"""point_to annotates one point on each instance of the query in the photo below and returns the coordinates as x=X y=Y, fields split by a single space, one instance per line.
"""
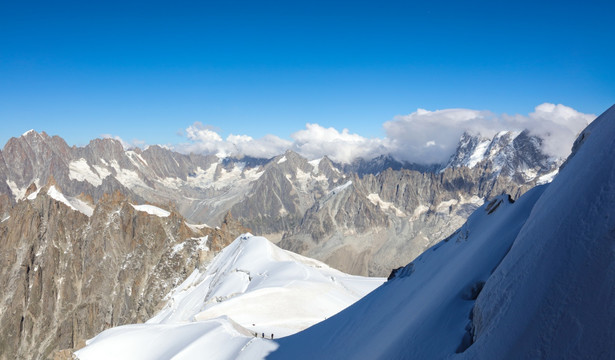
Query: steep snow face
x=552 y=296
x=424 y=310
x=251 y=287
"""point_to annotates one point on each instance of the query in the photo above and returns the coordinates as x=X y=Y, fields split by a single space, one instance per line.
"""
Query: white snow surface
x=548 y=263
x=33 y=195
x=423 y=312
x=479 y=153
x=547 y=178
x=18 y=192
x=251 y=286
x=197 y=227
x=80 y=170
x=235 y=177
x=376 y=200
x=71 y=202
x=552 y=296
x=152 y=210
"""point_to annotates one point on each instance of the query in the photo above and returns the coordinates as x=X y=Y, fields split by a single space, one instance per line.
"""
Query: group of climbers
x=263 y=335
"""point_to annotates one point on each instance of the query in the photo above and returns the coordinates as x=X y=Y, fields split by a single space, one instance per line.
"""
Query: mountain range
x=524 y=278
x=363 y=218
x=98 y=236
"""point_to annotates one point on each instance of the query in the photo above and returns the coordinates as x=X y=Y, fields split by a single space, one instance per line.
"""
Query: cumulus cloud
x=432 y=136
x=424 y=137
x=558 y=125
x=316 y=141
x=266 y=147
x=205 y=140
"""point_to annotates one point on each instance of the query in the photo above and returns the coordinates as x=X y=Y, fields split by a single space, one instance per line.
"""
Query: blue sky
x=149 y=70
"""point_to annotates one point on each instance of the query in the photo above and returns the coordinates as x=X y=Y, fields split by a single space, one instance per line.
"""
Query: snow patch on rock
x=80 y=170
x=73 y=203
x=152 y=210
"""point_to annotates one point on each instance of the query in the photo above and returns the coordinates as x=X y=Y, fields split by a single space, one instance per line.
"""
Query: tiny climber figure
x=263 y=335
x=271 y=336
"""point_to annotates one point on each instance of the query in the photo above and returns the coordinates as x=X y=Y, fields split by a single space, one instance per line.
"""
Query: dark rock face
x=68 y=276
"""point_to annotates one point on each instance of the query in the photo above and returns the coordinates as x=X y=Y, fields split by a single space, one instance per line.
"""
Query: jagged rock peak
x=511 y=153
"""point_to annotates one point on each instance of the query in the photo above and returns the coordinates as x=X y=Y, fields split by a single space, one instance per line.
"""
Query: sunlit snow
x=152 y=210
x=251 y=288
x=73 y=203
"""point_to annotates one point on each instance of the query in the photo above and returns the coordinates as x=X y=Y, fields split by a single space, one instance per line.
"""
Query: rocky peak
x=470 y=150
x=68 y=276
x=516 y=155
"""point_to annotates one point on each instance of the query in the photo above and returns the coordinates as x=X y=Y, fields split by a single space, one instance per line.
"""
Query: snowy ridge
x=252 y=286
x=71 y=202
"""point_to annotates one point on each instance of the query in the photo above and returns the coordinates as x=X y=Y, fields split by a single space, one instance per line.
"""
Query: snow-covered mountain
x=251 y=288
x=514 y=154
x=524 y=280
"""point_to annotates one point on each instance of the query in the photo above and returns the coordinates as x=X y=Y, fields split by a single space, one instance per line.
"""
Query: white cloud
x=424 y=137
x=205 y=140
x=429 y=137
x=265 y=147
x=432 y=136
x=316 y=141
x=558 y=125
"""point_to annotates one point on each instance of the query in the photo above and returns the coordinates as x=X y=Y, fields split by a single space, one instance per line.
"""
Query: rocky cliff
x=68 y=275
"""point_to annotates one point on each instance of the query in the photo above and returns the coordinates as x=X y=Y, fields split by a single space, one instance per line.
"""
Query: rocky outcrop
x=68 y=276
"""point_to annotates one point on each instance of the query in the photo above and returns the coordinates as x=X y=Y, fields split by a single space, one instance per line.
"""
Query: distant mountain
x=251 y=288
x=523 y=280
x=516 y=155
x=389 y=214
x=381 y=163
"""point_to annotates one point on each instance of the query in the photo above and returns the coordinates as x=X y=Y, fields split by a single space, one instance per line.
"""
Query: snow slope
x=550 y=296
x=423 y=312
x=251 y=286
